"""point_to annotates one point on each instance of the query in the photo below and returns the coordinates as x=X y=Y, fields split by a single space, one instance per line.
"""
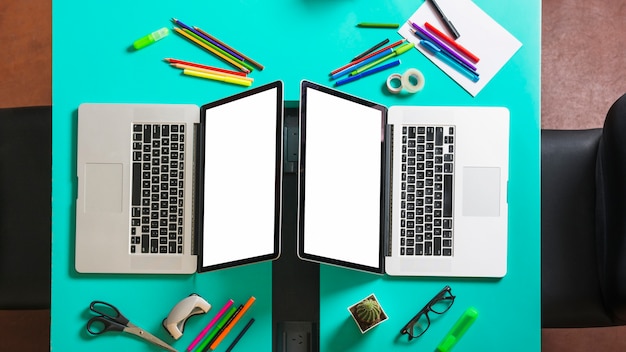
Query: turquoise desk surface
x=295 y=40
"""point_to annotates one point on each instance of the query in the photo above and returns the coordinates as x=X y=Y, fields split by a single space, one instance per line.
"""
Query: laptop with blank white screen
x=166 y=188
x=408 y=191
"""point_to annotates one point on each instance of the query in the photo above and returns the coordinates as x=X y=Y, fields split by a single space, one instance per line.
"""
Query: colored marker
x=398 y=51
x=451 y=41
x=371 y=49
x=458 y=330
x=210 y=325
x=362 y=63
x=367 y=73
x=232 y=323
x=445 y=20
x=423 y=34
x=430 y=47
x=151 y=38
x=225 y=318
x=241 y=333
x=377 y=25
x=368 y=56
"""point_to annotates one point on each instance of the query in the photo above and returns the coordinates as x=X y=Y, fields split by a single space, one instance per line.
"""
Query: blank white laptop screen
x=341 y=185
x=240 y=178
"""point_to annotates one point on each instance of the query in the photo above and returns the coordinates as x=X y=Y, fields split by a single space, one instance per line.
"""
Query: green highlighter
x=151 y=38
x=458 y=330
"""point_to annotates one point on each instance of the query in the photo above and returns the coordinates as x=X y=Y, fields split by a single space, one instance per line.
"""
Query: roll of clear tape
x=407 y=82
x=390 y=86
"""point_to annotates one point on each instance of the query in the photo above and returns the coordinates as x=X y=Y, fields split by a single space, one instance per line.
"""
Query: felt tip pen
x=351 y=68
x=151 y=38
x=398 y=51
x=367 y=73
x=377 y=25
x=433 y=49
x=445 y=20
x=458 y=330
x=424 y=34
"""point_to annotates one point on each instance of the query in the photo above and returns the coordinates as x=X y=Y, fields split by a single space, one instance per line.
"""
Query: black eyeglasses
x=440 y=304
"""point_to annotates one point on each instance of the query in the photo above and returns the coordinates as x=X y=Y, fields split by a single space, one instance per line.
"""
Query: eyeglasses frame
x=428 y=308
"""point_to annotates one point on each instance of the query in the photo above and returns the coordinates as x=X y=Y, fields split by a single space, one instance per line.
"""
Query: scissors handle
x=108 y=310
x=101 y=324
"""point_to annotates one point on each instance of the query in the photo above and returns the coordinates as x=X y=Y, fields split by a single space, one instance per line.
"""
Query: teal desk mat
x=295 y=40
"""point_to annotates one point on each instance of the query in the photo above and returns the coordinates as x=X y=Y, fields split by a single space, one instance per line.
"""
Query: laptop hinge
x=388 y=189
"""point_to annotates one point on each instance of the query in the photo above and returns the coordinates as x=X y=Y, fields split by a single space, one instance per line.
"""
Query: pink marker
x=210 y=325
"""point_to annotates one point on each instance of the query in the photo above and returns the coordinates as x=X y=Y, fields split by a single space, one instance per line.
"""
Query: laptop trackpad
x=481 y=191
x=103 y=188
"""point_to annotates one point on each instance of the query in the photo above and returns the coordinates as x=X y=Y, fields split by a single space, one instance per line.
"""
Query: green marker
x=151 y=38
x=217 y=328
x=399 y=50
x=458 y=330
x=377 y=25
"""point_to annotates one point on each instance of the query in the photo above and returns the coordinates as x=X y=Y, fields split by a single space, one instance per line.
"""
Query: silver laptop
x=409 y=190
x=179 y=188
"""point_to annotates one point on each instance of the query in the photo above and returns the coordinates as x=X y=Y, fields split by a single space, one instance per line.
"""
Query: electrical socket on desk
x=296 y=336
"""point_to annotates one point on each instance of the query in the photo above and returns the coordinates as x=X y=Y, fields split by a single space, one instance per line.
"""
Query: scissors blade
x=137 y=331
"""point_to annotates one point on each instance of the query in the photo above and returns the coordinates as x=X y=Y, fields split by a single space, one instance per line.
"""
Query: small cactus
x=368 y=311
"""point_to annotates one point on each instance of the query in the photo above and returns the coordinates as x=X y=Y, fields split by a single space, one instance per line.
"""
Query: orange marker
x=232 y=323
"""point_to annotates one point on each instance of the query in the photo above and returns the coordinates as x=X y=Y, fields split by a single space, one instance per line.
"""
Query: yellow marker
x=151 y=38
x=217 y=77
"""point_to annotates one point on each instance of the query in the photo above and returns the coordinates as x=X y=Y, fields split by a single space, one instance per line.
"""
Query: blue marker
x=361 y=64
x=367 y=73
x=430 y=47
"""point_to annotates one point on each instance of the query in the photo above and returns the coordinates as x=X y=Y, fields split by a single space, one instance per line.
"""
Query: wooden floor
x=583 y=72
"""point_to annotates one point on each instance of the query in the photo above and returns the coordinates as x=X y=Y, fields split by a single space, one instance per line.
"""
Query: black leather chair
x=583 y=224
x=25 y=207
x=25 y=221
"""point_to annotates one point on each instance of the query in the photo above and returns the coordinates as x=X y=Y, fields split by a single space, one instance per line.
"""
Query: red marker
x=451 y=41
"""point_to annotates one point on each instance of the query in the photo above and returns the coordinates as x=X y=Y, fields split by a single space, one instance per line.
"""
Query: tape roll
x=408 y=84
x=390 y=86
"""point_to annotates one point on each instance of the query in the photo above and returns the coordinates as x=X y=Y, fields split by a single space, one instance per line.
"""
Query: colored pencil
x=451 y=41
x=246 y=58
x=371 y=49
x=216 y=77
x=240 y=335
x=232 y=323
x=367 y=56
x=210 y=325
x=198 y=33
x=245 y=64
x=199 y=69
x=212 y=49
x=177 y=61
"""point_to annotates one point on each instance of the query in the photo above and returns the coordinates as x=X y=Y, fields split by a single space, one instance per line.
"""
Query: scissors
x=110 y=319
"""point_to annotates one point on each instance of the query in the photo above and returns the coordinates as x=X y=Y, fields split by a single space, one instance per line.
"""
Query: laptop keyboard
x=426 y=219
x=158 y=154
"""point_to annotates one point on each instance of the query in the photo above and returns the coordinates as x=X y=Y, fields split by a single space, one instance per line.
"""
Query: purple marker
x=423 y=34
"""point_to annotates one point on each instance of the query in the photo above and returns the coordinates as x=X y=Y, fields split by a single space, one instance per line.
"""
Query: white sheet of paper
x=480 y=34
